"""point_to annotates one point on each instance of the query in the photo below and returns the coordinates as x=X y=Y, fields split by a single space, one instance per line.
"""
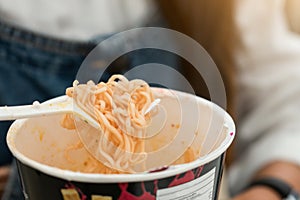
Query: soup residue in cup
x=120 y=108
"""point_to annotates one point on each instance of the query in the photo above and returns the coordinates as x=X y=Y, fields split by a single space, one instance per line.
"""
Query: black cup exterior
x=40 y=186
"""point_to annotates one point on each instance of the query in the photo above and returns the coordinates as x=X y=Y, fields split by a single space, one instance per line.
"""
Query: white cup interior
x=184 y=121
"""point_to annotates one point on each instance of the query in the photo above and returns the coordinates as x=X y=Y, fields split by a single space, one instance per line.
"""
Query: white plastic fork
x=64 y=106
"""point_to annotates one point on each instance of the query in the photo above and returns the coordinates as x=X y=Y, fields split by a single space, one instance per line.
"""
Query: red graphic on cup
x=188 y=176
x=125 y=195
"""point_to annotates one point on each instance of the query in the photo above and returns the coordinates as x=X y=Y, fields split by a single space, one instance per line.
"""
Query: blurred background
x=42 y=45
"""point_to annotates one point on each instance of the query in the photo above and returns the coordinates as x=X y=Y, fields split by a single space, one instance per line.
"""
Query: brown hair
x=211 y=23
x=293 y=15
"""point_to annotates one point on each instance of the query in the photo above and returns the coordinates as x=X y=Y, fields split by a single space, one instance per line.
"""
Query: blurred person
x=269 y=91
x=256 y=47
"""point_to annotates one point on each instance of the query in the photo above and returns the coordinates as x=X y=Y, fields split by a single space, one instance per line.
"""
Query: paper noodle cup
x=40 y=144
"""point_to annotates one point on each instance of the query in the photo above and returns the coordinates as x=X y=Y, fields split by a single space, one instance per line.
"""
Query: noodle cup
x=40 y=144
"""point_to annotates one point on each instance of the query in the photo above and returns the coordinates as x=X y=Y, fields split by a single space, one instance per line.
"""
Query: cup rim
x=115 y=178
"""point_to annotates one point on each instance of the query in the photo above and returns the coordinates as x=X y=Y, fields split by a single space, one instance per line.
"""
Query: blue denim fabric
x=32 y=67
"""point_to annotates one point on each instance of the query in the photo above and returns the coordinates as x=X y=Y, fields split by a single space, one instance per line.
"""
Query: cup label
x=200 y=188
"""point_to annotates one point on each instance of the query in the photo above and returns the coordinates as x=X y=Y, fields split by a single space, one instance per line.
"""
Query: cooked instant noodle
x=119 y=106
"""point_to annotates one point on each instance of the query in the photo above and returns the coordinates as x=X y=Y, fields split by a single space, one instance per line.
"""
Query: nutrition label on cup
x=200 y=188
